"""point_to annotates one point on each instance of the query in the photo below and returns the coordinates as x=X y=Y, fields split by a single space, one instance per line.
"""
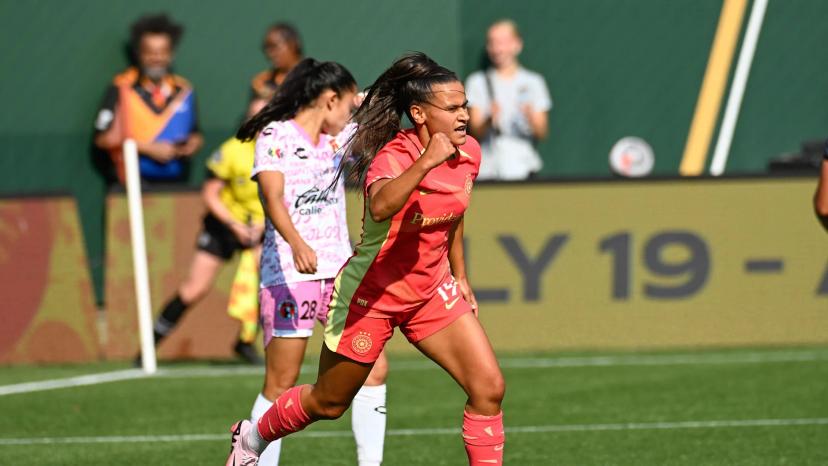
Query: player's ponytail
x=407 y=82
x=305 y=82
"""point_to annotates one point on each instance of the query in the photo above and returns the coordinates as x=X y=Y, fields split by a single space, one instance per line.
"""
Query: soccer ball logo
x=362 y=343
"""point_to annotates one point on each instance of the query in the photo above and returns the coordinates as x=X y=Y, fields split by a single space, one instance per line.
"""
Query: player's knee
x=332 y=410
x=497 y=389
x=378 y=373
x=324 y=407
x=488 y=390
x=277 y=384
x=191 y=292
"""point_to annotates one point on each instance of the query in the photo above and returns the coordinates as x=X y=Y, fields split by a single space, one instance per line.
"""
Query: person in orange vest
x=150 y=104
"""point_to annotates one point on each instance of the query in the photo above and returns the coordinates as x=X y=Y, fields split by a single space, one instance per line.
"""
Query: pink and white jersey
x=316 y=208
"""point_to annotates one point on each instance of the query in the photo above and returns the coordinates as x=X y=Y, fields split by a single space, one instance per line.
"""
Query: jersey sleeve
x=195 y=125
x=472 y=150
x=477 y=92
x=106 y=110
x=541 y=101
x=388 y=164
x=219 y=162
x=268 y=155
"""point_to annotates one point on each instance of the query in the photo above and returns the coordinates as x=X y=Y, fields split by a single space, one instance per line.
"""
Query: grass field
x=745 y=407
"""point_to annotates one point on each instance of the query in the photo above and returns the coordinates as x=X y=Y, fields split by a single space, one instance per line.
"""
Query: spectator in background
x=283 y=47
x=821 y=195
x=151 y=105
x=508 y=107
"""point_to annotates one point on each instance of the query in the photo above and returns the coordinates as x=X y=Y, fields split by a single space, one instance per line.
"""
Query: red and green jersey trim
x=374 y=237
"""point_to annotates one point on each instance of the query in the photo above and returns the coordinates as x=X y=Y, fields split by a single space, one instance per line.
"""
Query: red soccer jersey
x=400 y=262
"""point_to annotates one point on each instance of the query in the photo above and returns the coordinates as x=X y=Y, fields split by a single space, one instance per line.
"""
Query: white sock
x=368 y=424
x=270 y=455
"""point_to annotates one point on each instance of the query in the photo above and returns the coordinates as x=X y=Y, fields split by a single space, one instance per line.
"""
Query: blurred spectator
x=821 y=195
x=151 y=105
x=283 y=47
x=509 y=107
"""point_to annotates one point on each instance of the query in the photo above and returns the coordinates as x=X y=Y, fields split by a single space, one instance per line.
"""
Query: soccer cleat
x=240 y=453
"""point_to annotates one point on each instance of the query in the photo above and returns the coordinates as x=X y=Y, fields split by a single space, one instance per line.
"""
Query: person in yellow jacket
x=234 y=222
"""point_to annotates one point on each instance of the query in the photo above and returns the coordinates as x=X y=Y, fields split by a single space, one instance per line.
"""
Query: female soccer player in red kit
x=407 y=271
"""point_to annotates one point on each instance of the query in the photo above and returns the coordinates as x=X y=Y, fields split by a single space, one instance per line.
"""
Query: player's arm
x=821 y=195
x=272 y=188
x=479 y=121
x=388 y=196
x=538 y=122
x=190 y=146
x=210 y=193
x=457 y=261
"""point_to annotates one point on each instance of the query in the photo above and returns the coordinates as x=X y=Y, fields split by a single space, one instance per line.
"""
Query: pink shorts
x=290 y=310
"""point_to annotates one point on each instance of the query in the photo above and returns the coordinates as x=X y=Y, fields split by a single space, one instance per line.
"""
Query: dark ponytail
x=408 y=81
x=305 y=82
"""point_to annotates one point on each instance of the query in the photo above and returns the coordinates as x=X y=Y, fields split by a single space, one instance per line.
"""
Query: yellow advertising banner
x=649 y=264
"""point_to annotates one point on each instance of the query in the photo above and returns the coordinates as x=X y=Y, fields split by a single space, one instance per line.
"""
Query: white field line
x=760 y=357
x=717 y=424
x=79 y=381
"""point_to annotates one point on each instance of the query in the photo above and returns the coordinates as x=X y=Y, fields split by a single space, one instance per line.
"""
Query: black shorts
x=217 y=239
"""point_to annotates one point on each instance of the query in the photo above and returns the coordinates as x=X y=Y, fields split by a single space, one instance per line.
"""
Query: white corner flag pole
x=139 y=255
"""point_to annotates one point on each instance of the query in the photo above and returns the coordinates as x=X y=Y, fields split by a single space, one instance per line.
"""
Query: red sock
x=484 y=438
x=285 y=417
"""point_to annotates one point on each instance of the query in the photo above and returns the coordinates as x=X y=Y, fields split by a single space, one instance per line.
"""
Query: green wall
x=615 y=68
x=787 y=94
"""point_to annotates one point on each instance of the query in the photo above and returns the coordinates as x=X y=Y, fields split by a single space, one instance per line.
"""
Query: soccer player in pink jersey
x=407 y=271
x=298 y=135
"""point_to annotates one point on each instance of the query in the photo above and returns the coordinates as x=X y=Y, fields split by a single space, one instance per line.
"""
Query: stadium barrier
x=574 y=265
x=47 y=312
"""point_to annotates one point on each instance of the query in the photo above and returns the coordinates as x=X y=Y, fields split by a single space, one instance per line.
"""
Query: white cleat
x=240 y=452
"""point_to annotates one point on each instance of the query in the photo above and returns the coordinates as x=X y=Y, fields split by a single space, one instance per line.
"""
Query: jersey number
x=309 y=310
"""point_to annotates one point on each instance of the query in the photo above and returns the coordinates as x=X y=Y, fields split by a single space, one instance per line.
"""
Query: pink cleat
x=240 y=452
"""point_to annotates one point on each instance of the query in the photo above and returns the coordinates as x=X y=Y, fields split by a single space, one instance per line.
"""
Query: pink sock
x=285 y=417
x=484 y=438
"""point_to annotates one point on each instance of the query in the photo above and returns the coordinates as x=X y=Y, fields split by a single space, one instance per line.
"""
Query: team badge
x=469 y=183
x=287 y=310
x=274 y=152
x=362 y=343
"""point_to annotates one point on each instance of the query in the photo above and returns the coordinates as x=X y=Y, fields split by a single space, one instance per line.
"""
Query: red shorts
x=352 y=334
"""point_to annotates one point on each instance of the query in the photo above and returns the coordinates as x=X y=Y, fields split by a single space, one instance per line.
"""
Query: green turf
x=427 y=398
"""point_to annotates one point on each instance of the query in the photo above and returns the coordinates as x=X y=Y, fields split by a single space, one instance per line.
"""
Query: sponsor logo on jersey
x=311 y=201
x=422 y=220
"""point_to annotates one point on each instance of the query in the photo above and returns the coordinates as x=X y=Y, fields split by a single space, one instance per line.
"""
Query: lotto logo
x=362 y=343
